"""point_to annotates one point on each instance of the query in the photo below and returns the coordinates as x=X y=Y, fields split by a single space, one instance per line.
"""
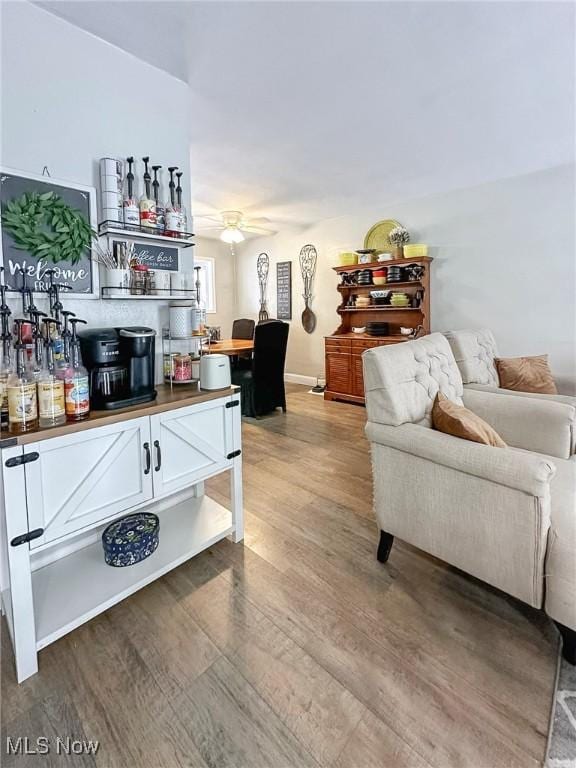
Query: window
x=207 y=281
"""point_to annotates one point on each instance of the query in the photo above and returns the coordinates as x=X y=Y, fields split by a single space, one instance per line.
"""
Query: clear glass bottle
x=172 y=214
x=22 y=393
x=182 y=217
x=130 y=204
x=147 y=205
x=76 y=381
x=51 y=398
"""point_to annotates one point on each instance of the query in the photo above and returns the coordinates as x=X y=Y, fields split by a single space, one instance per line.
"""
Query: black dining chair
x=243 y=328
x=262 y=385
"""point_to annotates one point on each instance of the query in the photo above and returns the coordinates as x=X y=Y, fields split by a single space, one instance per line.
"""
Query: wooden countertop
x=166 y=400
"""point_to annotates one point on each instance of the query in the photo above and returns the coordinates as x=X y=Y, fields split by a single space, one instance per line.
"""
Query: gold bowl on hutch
x=347 y=259
x=415 y=251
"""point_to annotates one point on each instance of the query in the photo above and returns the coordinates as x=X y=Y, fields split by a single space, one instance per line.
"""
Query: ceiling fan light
x=231 y=235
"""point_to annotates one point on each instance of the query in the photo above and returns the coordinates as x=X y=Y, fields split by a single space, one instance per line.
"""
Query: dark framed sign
x=80 y=276
x=156 y=256
x=284 y=290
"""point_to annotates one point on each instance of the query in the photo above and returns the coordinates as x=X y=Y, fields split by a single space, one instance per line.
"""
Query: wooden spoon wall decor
x=308 y=256
x=262 y=267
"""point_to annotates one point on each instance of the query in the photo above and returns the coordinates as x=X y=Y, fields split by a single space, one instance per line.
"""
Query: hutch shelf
x=344 y=348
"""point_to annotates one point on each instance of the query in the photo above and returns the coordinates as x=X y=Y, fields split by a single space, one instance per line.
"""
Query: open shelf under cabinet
x=75 y=588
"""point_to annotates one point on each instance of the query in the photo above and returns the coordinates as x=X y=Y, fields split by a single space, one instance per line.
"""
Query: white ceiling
x=301 y=111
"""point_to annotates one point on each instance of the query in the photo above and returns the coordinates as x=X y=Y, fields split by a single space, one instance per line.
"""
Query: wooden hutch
x=343 y=350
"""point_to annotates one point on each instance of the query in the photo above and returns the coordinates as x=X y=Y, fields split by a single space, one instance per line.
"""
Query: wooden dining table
x=229 y=346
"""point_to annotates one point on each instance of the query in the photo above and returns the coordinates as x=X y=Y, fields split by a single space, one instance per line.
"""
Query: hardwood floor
x=298 y=648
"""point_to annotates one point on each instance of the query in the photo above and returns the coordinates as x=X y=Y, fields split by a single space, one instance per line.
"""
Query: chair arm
x=542 y=426
x=504 y=466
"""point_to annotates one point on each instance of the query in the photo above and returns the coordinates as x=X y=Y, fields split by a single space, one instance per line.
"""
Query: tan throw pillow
x=454 y=419
x=526 y=374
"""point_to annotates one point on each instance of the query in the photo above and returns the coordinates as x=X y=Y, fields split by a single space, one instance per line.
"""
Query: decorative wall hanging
x=156 y=257
x=284 y=290
x=308 y=256
x=262 y=267
x=47 y=224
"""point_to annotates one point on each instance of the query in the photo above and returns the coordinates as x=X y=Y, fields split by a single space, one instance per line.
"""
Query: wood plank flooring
x=298 y=649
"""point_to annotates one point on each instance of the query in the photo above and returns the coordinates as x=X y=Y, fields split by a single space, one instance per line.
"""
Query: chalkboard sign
x=284 y=290
x=156 y=256
x=80 y=276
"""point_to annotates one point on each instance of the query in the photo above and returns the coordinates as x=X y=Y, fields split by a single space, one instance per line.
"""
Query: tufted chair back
x=475 y=351
x=401 y=380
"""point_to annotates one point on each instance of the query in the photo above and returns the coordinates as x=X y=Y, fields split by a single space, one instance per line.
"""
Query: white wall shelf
x=132 y=297
x=107 y=229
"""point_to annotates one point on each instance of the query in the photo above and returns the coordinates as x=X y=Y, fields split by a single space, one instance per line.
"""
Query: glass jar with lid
x=182 y=368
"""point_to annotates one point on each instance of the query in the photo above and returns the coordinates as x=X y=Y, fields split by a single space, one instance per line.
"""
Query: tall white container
x=181 y=319
x=111 y=181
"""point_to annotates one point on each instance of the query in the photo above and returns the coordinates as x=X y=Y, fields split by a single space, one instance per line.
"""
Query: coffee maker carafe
x=121 y=365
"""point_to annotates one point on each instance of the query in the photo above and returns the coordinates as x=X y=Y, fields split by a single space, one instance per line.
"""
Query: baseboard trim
x=297 y=378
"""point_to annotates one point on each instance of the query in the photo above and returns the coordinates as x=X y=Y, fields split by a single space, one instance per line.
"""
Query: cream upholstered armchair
x=504 y=515
x=474 y=352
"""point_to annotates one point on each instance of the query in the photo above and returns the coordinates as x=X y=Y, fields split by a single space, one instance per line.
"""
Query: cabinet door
x=80 y=480
x=338 y=377
x=357 y=376
x=190 y=444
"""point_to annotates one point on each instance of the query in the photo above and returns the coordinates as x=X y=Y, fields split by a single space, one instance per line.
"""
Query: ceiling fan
x=232 y=225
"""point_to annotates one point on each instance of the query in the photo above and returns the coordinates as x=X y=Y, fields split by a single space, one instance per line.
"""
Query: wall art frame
x=83 y=277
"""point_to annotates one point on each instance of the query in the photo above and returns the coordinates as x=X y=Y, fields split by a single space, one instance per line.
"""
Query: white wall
x=504 y=257
x=69 y=98
x=224 y=273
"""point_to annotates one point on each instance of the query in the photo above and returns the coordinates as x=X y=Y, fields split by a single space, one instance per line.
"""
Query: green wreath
x=47 y=227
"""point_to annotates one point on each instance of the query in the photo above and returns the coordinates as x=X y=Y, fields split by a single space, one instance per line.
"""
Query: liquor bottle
x=22 y=393
x=6 y=356
x=5 y=371
x=76 y=384
x=182 y=218
x=58 y=343
x=172 y=214
x=160 y=210
x=37 y=357
x=147 y=204
x=131 y=208
x=66 y=336
x=51 y=400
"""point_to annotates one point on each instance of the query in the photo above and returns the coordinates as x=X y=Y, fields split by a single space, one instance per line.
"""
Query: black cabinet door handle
x=147 y=449
x=158 y=456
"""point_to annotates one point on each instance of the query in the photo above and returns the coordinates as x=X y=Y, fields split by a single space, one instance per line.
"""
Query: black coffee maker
x=121 y=365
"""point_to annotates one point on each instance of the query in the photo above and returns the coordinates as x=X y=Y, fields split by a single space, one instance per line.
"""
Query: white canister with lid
x=181 y=319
